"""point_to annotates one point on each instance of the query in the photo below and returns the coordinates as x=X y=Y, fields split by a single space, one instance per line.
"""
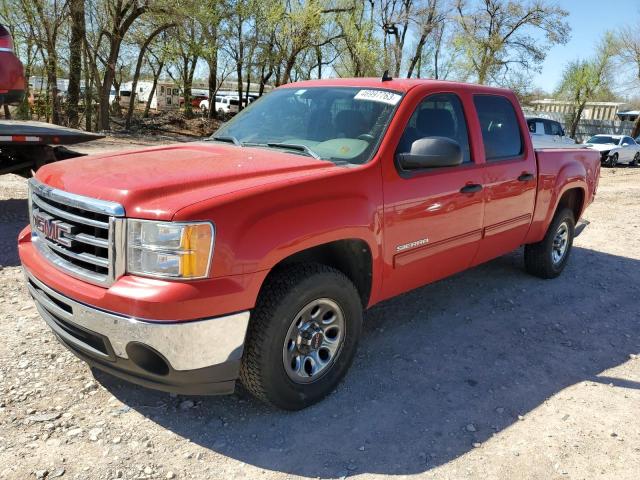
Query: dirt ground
x=491 y=374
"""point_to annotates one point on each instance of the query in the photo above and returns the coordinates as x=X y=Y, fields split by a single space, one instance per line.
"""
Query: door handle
x=525 y=177
x=471 y=188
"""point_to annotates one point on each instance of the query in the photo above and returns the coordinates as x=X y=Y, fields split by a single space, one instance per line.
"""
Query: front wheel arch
x=352 y=257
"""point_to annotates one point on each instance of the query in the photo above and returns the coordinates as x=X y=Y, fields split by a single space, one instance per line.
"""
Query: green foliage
x=588 y=80
x=497 y=37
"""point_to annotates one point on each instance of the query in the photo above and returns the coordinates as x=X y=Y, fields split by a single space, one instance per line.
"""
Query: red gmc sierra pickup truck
x=251 y=255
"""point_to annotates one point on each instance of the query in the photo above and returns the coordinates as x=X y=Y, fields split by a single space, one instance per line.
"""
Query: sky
x=588 y=19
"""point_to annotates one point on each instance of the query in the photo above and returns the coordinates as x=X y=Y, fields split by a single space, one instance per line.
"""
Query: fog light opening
x=147 y=359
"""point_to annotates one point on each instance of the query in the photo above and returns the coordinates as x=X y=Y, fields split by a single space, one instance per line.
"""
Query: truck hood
x=155 y=183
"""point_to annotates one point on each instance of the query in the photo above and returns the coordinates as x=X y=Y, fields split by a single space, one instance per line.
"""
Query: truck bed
x=556 y=168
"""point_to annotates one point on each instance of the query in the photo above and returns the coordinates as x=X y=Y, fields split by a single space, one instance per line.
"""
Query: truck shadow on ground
x=479 y=348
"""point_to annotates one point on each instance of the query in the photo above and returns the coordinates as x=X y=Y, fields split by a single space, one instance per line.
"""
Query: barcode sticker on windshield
x=378 y=96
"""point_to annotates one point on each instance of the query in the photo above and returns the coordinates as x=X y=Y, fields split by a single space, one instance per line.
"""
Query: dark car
x=11 y=71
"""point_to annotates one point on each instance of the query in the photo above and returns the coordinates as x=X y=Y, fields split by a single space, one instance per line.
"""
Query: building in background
x=592 y=110
x=628 y=115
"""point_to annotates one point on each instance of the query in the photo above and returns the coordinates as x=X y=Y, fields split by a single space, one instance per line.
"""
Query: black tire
x=635 y=161
x=286 y=293
x=613 y=160
x=538 y=257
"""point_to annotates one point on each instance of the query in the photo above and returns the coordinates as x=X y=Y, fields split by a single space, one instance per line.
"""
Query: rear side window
x=500 y=129
x=532 y=125
x=553 y=128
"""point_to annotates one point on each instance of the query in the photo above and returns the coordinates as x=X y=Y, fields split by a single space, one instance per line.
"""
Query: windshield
x=340 y=124
x=603 y=140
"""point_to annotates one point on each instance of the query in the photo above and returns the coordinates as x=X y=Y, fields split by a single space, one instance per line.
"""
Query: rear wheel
x=547 y=258
x=302 y=337
x=636 y=160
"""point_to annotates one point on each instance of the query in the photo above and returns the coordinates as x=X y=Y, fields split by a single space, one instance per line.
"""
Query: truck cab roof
x=397 y=84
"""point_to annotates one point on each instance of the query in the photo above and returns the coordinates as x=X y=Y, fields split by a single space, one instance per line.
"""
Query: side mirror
x=431 y=152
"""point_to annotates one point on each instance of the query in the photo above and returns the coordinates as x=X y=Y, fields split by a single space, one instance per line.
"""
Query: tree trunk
x=88 y=97
x=576 y=119
x=136 y=75
x=291 y=61
x=213 y=84
x=76 y=8
x=121 y=26
x=7 y=113
x=107 y=83
x=52 y=84
x=246 y=94
x=239 y=73
x=156 y=76
x=636 y=128
x=189 y=86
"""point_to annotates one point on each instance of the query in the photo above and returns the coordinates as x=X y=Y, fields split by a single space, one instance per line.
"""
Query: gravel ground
x=489 y=374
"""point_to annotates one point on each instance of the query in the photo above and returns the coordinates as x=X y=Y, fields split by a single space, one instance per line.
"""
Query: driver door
x=432 y=217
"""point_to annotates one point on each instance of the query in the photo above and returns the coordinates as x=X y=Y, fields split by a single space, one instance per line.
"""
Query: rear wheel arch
x=573 y=199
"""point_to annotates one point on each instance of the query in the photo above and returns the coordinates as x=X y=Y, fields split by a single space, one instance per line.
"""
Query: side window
x=553 y=128
x=500 y=129
x=627 y=141
x=532 y=125
x=439 y=115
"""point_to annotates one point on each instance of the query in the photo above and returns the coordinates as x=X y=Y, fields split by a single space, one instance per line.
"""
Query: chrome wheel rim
x=560 y=243
x=314 y=340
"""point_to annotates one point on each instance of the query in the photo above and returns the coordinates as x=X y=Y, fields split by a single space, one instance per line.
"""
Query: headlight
x=168 y=249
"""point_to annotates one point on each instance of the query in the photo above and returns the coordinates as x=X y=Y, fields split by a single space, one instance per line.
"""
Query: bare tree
x=496 y=34
x=427 y=19
x=136 y=76
x=584 y=80
x=629 y=42
x=122 y=14
x=76 y=45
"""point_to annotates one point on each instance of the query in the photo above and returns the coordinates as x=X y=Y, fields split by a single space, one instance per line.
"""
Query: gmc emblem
x=52 y=229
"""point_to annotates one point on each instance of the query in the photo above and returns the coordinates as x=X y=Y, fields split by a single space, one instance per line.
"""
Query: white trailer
x=165 y=97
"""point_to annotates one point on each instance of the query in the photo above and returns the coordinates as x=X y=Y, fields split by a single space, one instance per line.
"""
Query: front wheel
x=547 y=258
x=302 y=336
x=613 y=160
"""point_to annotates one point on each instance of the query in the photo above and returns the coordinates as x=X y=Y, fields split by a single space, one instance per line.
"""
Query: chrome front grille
x=80 y=235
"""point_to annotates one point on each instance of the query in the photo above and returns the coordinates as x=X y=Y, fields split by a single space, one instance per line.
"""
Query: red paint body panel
x=11 y=74
x=559 y=171
x=147 y=298
x=268 y=205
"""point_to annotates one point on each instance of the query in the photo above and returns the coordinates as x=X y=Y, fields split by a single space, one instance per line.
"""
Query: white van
x=223 y=105
x=546 y=133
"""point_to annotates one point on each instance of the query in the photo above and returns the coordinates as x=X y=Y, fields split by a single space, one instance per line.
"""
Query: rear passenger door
x=432 y=217
x=510 y=176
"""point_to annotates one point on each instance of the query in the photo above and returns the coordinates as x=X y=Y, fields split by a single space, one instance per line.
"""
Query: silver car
x=615 y=149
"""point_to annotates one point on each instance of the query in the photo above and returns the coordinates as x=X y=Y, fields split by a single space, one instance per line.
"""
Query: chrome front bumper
x=106 y=338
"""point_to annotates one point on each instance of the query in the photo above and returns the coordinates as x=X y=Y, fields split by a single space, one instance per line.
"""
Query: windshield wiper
x=296 y=146
x=227 y=139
